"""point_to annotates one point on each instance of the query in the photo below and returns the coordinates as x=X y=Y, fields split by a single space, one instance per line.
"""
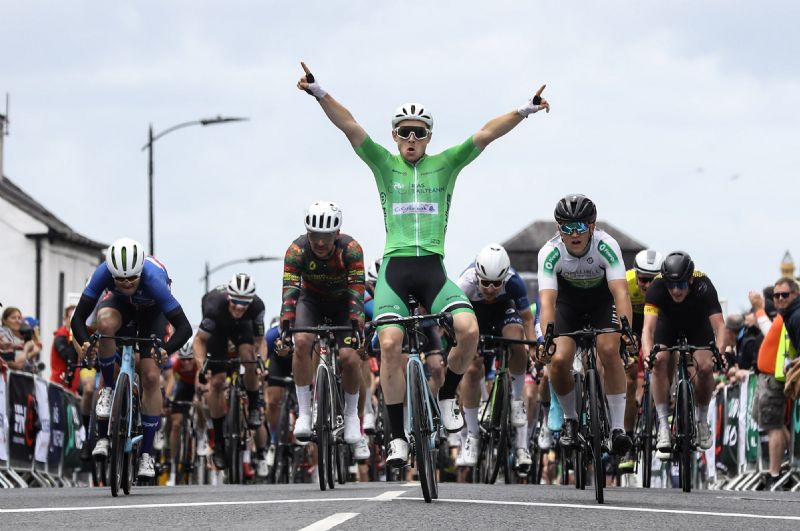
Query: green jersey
x=415 y=198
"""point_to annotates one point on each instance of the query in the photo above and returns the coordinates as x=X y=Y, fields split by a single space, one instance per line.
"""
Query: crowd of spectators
x=20 y=342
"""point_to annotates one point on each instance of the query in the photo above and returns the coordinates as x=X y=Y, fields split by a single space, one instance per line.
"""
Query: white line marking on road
x=613 y=508
x=411 y=484
x=388 y=495
x=330 y=522
x=182 y=504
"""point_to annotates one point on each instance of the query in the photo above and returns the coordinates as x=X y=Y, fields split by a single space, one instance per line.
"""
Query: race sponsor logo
x=551 y=260
x=649 y=309
x=399 y=209
x=312 y=265
x=608 y=253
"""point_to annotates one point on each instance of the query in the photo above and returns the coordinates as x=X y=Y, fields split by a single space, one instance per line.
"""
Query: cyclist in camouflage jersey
x=416 y=192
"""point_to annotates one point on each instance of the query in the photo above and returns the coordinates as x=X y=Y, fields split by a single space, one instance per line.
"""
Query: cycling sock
x=451 y=381
x=555 y=417
x=531 y=427
x=150 y=425
x=522 y=437
x=219 y=439
x=484 y=390
x=85 y=419
x=252 y=400
x=471 y=419
x=517 y=385
x=701 y=413
x=567 y=402
x=662 y=410
x=102 y=429
x=350 y=404
x=534 y=415
x=261 y=454
x=616 y=410
x=303 y=399
x=273 y=432
x=395 y=412
x=107 y=366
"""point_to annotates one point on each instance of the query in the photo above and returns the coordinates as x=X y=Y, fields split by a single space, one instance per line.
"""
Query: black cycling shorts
x=575 y=307
x=492 y=318
x=182 y=392
x=279 y=367
x=311 y=312
x=220 y=341
x=137 y=321
x=699 y=333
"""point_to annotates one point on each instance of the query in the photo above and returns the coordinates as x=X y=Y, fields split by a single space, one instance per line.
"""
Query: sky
x=679 y=119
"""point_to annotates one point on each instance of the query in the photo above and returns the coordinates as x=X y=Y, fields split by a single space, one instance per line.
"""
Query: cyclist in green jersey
x=415 y=192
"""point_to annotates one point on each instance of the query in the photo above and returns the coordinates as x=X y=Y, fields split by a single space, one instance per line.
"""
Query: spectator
x=779 y=345
x=22 y=348
x=63 y=356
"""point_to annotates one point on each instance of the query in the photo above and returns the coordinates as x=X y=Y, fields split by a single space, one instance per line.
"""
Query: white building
x=43 y=260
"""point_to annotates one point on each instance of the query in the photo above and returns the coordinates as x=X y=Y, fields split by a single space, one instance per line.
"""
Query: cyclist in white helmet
x=646 y=266
x=323 y=278
x=416 y=191
x=139 y=293
x=500 y=299
x=232 y=313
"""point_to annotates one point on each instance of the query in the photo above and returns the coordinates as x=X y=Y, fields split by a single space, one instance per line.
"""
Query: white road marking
x=411 y=484
x=330 y=522
x=613 y=508
x=388 y=495
x=182 y=504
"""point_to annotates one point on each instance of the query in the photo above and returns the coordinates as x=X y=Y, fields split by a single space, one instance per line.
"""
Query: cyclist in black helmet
x=581 y=273
x=680 y=301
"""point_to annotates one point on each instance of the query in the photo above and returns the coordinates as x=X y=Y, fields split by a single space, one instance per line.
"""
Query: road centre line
x=388 y=495
x=616 y=508
x=330 y=522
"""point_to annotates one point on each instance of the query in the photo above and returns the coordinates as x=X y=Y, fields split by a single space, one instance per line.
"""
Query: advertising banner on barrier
x=72 y=435
x=796 y=430
x=752 y=439
x=3 y=420
x=719 y=429
x=730 y=442
x=22 y=419
x=43 y=411
x=57 y=417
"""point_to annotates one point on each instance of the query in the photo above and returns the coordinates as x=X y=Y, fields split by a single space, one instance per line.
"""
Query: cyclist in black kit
x=231 y=313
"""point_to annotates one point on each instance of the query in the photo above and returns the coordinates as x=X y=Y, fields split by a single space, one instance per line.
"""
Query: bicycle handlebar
x=689 y=349
x=443 y=319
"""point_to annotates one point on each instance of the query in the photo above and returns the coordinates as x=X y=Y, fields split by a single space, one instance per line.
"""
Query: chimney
x=787 y=265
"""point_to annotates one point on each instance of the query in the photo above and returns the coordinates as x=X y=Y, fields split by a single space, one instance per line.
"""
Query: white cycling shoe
x=103 y=407
x=361 y=449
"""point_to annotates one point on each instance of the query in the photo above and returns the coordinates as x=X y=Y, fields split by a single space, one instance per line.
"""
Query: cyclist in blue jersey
x=138 y=294
x=500 y=299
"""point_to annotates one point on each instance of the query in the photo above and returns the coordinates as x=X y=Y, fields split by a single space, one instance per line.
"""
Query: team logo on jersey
x=348 y=340
x=399 y=209
x=510 y=311
x=590 y=260
x=312 y=265
x=608 y=252
x=551 y=260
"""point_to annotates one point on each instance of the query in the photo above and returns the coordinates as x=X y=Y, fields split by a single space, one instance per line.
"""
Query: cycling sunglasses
x=420 y=132
x=120 y=280
x=578 y=226
x=239 y=302
x=645 y=280
x=678 y=285
x=494 y=283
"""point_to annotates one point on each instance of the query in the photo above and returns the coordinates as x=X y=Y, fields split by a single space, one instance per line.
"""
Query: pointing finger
x=307 y=71
x=538 y=92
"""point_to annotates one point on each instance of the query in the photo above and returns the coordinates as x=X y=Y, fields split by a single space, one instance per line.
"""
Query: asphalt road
x=395 y=505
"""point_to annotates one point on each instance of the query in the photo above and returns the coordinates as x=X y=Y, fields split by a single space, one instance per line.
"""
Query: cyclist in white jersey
x=582 y=275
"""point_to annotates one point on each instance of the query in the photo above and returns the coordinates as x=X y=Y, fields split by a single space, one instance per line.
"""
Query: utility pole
x=3 y=134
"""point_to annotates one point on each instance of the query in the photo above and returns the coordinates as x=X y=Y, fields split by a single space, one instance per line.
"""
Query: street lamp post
x=149 y=147
x=251 y=260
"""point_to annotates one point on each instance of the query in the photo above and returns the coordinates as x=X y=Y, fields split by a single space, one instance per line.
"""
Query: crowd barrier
x=40 y=432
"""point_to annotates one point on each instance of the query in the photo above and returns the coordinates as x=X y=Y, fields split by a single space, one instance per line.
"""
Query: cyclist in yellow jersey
x=647 y=265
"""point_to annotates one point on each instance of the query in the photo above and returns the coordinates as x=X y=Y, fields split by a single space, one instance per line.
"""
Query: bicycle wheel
x=496 y=433
x=232 y=453
x=595 y=433
x=421 y=430
x=579 y=462
x=120 y=411
x=324 y=443
x=649 y=414
x=684 y=437
x=342 y=462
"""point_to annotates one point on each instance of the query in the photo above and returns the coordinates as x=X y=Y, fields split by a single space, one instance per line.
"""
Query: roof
x=57 y=229
x=534 y=236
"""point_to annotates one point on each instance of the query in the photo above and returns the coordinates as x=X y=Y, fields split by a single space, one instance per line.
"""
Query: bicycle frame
x=128 y=369
x=431 y=405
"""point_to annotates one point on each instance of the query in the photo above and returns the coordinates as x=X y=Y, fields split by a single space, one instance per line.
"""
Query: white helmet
x=323 y=216
x=412 y=111
x=492 y=263
x=242 y=286
x=125 y=258
x=648 y=262
x=373 y=269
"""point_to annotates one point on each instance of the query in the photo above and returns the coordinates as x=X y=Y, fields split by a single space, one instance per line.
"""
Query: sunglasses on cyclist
x=781 y=295
x=579 y=227
x=120 y=280
x=493 y=283
x=645 y=280
x=405 y=131
x=239 y=302
x=678 y=285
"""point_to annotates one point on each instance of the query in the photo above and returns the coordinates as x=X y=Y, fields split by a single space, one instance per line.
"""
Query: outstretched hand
x=306 y=80
x=538 y=100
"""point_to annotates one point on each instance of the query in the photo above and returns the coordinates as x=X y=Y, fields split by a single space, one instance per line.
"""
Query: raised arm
x=335 y=111
x=497 y=127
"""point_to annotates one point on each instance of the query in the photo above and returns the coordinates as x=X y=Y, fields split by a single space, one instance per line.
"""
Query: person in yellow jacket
x=779 y=346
